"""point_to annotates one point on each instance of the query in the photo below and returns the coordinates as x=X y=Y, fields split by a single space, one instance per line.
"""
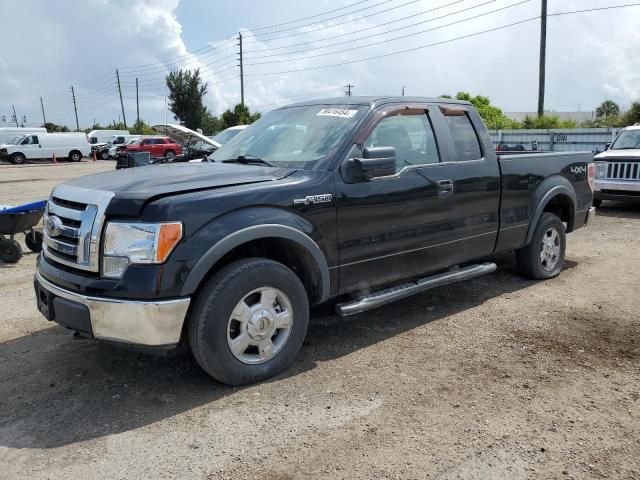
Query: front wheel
x=544 y=256
x=18 y=159
x=249 y=321
x=104 y=155
x=169 y=154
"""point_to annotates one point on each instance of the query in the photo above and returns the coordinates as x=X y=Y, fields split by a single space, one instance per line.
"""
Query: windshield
x=628 y=139
x=15 y=140
x=226 y=135
x=296 y=137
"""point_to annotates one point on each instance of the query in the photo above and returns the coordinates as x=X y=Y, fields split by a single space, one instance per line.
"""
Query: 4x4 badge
x=314 y=199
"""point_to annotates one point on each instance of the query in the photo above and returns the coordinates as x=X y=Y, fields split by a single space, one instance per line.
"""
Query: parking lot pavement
x=499 y=377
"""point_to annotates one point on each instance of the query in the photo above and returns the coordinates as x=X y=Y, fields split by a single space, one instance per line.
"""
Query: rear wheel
x=544 y=256
x=10 y=251
x=169 y=154
x=75 y=156
x=597 y=202
x=18 y=159
x=249 y=321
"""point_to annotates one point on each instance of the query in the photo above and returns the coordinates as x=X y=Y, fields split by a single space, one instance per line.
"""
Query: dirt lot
x=495 y=378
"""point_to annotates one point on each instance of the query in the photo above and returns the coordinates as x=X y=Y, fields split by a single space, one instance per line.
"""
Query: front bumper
x=616 y=189
x=143 y=323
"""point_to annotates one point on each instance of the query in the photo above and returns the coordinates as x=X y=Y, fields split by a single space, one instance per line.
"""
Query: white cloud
x=590 y=57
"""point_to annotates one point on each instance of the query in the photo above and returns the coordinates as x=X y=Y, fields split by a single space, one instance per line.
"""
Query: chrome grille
x=623 y=171
x=73 y=223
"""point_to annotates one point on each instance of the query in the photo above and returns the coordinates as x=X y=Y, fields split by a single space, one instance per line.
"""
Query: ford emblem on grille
x=53 y=226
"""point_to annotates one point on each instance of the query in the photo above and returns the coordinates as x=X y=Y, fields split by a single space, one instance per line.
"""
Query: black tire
x=169 y=154
x=597 y=202
x=104 y=155
x=10 y=251
x=209 y=319
x=75 y=156
x=33 y=240
x=529 y=257
x=18 y=159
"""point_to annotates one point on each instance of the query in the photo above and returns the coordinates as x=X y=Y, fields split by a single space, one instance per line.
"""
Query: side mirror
x=606 y=147
x=375 y=162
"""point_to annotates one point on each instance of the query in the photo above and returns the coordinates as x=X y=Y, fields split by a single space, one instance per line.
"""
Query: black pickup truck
x=363 y=201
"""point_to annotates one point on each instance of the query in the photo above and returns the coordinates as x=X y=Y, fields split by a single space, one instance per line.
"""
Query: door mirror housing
x=375 y=162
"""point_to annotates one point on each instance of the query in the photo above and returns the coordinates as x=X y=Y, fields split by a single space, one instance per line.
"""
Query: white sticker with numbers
x=337 y=112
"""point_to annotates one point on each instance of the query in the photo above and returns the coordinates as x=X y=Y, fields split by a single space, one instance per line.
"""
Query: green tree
x=53 y=128
x=548 y=121
x=186 y=94
x=607 y=109
x=492 y=116
x=632 y=116
x=210 y=124
x=240 y=115
x=142 y=128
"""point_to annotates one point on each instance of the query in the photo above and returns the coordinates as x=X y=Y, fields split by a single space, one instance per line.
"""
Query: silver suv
x=618 y=168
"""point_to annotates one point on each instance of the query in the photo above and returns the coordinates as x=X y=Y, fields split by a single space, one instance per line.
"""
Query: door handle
x=445 y=188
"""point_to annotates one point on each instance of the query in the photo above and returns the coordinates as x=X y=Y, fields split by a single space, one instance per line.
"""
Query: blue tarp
x=27 y=207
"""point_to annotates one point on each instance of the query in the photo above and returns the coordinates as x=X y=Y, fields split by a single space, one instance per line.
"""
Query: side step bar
x=388 y=295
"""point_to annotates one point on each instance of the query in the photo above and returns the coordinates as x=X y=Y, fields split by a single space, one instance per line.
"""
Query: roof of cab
x=374 y=101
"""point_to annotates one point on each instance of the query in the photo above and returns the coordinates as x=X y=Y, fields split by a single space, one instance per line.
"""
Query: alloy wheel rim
x=550 y=249
x=259 y=325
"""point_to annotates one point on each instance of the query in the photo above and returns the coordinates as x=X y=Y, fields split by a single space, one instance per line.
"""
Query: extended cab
x=361 y=200
x=618 y=168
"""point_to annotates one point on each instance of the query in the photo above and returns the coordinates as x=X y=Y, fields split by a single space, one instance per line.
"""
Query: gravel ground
x=499 y=377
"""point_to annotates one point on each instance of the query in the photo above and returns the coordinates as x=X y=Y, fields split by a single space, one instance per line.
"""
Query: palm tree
x=607 y=109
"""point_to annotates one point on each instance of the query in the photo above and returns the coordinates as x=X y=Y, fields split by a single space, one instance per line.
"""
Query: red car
x=156 y=146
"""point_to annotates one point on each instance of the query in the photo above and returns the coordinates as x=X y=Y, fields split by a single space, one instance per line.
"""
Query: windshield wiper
x=247 y=160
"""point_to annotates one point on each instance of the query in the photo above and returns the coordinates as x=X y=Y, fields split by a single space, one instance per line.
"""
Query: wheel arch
x=554 y=195
x=278 y=242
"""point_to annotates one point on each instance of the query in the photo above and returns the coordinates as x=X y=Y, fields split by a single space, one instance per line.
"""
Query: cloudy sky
x=296 y=50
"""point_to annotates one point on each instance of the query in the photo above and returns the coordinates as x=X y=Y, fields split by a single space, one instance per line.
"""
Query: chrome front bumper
x=624 y=185
x=156 y=323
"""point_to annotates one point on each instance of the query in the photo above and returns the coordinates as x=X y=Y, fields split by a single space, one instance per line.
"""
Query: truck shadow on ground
x=57 y=390
x=618 y=210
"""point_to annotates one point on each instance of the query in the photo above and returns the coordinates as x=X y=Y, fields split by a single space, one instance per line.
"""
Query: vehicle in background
x=195 y=145
x=365 y=200
x=11 y=135
x=103 y=136
x=103 y=151
x=114 y=150
x=227 y=134
x=71 y=145
x=618 y=168
x=158 y=147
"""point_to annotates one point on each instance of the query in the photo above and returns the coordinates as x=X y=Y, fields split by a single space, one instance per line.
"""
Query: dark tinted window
x=411 y=136
x=464 y=138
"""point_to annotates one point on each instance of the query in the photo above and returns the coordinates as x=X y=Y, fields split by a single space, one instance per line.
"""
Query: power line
x=399 y=37
x=335 y=24
x=311 y=16
x=326 y=19
x=356 y=31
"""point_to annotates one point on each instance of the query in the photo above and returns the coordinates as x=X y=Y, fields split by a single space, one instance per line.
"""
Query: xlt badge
x=313 y=199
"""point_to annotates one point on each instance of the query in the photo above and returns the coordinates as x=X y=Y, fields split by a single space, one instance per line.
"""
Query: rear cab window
x=465 y=137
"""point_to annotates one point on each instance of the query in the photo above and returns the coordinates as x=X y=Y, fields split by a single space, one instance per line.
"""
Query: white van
x=73 y=146
x=105 y=152
x=13 y=134
x=103 y=136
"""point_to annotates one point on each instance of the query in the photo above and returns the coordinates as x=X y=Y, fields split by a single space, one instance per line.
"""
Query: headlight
x=127 y=243
x=601 y=169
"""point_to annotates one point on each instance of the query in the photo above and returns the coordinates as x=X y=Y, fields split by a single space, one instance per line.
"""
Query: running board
x=388 y=295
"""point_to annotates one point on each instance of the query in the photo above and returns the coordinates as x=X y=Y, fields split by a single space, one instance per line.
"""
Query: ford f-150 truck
x=363 y=201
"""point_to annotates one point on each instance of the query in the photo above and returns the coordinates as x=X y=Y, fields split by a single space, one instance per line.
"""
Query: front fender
x=255 y=232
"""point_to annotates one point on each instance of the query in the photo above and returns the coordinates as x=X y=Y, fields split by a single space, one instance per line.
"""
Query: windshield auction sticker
x=337 y=112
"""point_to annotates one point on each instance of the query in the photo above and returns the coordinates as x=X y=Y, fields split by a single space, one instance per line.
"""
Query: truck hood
x=133 y=187
x=632 y=154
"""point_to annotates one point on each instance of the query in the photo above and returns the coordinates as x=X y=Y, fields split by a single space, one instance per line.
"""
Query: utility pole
x=15 y=117
x=348 y=87
x=124 y=119
x=137 y=105
x=403 y=91
x=543 y=57
x=44 y=119
x=75 y=108
x=241 y=70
